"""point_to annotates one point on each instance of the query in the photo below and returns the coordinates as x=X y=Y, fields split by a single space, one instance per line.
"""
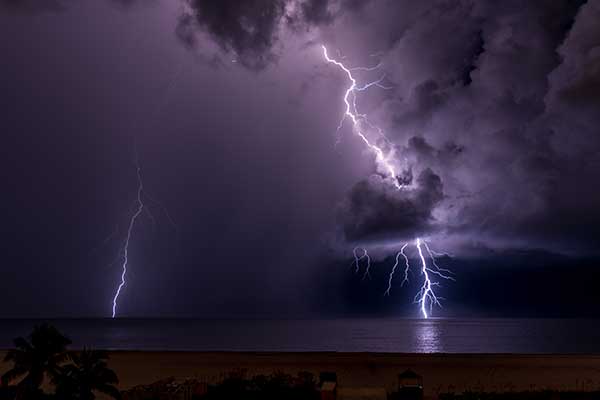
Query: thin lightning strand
x=439 y=254
x=140 y=206
x=357 y=260
x=356 y=118
x=406 y=269
x=434 y=263
x=138 y=210
x=426 y=296
x=367 y=273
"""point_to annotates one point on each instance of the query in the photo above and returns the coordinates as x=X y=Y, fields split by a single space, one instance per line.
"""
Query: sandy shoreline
x=441 y=372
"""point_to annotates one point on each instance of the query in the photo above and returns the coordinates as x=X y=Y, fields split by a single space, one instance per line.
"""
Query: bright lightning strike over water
x=139 y=205
x=139 y=208
x=426 y=296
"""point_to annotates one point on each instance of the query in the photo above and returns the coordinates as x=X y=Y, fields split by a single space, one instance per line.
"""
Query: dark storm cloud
x=501 y=100
x=322 y=12
x=497 y=100
x=573 y=98
x=493 y=119
x=317 y=11
x=250 y=30
x=477 y=46
x=374 y=209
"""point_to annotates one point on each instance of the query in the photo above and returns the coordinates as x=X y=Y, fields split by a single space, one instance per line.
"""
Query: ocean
x=525 y=336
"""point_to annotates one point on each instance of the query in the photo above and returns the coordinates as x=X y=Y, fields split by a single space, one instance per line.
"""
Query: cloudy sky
x=488 y=113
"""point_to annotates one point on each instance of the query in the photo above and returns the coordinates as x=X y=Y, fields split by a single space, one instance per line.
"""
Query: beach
x=441 y=373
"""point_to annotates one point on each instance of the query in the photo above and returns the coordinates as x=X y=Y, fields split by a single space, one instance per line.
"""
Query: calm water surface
x=535 y=336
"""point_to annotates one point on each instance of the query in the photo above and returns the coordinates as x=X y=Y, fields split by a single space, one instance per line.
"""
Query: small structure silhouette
x=169 y=388
x=410 y=386
x=328 y=385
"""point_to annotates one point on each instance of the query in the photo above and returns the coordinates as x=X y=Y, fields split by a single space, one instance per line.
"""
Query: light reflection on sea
x=530 y=336
x=427 y=337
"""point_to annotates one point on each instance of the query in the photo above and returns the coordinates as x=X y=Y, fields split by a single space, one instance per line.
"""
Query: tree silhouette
x=87 y=374
x=36 y=358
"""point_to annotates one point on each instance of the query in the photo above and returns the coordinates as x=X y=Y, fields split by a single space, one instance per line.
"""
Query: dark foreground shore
x=442 y=373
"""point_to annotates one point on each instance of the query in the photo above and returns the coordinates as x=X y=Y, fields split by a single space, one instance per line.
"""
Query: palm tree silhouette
x=87 y=374
x=36 y=358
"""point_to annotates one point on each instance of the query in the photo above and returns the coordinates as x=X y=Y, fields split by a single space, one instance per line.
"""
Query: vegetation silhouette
x=265 y=387
x=88 y=373
x=35 y=359
x=44 y=358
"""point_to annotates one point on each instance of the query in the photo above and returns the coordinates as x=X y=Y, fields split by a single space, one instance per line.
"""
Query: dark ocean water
x=535 y=336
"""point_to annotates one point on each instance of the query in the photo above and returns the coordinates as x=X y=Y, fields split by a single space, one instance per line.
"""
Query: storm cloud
x=498 y=101
x=502 y=103
x=375 y=209
x=491 y=115
x=250 y=31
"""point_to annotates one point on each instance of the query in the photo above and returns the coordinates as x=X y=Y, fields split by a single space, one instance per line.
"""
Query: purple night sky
x=491 y=110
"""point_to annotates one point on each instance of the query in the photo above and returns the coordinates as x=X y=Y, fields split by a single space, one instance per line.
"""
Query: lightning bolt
x=139 y=204
x=358 y=119
x=426 y=297
x=357 y=258
x=138 y=209
x=406 y=269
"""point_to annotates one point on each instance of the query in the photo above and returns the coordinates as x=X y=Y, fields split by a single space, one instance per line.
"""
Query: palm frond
x=22 y=344
x=110 y=390
x=13 y=374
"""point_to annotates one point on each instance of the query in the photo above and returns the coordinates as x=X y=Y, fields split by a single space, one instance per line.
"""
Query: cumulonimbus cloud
x=494 y=107
x=374 y=209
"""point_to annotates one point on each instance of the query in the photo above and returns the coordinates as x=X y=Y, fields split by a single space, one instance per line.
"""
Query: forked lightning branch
x=426 y=297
